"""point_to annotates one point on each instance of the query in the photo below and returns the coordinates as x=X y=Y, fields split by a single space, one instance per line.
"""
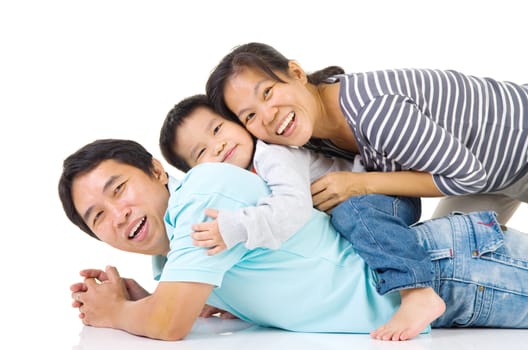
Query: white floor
x=233 y=334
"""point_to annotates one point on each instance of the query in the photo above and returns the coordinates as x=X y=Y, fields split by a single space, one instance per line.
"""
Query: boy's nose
x=220 y=147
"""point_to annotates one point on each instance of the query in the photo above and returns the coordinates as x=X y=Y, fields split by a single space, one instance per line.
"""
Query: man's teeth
x=134 y=232
x=285 y=123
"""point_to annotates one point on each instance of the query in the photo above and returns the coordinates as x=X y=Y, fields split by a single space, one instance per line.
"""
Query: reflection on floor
x=214 y=333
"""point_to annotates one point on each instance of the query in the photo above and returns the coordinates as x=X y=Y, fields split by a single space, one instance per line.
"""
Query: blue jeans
x=378 y=228
x=479 y=270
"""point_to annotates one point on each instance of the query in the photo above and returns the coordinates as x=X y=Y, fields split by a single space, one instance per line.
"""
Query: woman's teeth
x=285 y=123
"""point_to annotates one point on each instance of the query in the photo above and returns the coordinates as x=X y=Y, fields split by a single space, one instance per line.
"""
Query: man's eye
x=119 y=188
x=97 y=217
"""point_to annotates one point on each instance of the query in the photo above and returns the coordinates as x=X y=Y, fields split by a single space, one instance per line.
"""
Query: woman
x=420 y=132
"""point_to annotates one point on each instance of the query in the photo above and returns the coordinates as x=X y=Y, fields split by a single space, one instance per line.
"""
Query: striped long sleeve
x=470 y=133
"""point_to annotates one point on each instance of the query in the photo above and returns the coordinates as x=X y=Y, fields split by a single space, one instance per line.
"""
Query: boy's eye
x=217 y=129
x=200 y=153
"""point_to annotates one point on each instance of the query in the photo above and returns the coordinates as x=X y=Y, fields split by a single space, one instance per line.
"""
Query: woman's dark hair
x=259 y=56
x=88 y=158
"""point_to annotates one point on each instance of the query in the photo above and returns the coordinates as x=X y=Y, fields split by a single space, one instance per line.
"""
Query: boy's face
x=124 y=206
x=207 y=137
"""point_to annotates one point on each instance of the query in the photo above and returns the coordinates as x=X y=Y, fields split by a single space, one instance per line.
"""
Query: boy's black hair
x=174 y=119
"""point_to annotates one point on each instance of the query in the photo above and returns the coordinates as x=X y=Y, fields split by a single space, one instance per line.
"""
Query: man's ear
x=158 y=171
x=296 y=71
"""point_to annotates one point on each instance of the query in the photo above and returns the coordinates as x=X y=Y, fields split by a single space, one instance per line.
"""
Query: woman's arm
x=404 y=135
x=333 y=188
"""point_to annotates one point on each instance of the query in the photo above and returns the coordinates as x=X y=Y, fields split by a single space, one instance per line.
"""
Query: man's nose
x=121 y=214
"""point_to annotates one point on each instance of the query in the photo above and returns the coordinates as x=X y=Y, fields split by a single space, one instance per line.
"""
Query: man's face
x=124 y=206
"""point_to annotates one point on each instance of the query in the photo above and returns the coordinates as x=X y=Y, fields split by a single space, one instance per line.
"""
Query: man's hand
x=209 y=311
x=134 y=289
x=99 y=294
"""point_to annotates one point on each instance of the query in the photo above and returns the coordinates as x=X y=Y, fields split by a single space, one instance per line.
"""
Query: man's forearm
x=168 y=314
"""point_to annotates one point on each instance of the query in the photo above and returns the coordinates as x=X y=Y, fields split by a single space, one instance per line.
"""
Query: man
x=115 y=191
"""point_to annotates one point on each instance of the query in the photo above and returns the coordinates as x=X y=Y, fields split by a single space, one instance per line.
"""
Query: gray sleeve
x=278 y=216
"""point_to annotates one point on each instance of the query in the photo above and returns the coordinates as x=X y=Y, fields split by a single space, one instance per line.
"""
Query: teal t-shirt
x=314 y=282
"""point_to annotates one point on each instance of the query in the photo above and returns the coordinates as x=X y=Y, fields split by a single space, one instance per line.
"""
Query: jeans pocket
x=488 y=233
x=463 y=304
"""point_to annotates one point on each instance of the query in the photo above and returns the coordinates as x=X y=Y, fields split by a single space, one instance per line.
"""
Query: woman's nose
x=269 y=114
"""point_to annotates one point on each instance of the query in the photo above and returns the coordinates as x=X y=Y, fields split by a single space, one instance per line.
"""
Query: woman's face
x=280 y=113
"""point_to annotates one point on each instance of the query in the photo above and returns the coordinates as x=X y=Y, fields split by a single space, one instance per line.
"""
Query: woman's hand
x=333 y=188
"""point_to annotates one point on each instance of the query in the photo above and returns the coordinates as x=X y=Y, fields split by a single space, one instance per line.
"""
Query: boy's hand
x=207 y=234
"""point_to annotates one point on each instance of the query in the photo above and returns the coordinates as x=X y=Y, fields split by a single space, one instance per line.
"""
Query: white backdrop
x=73 y=71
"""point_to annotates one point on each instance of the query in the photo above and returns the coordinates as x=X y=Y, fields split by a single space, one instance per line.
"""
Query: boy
x=193 y=133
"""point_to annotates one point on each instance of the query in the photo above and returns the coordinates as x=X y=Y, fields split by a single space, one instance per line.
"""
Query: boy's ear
x=158 y=171
x=296 y=71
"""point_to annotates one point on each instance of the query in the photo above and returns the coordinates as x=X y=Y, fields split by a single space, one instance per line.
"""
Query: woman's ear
x=296 y=71
x=158 y=171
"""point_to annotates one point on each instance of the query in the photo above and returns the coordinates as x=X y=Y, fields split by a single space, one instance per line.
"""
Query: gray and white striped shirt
x=470 y=133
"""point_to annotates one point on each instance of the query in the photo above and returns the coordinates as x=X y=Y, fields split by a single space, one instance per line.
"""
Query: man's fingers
x=93 y=273
x=112 y=273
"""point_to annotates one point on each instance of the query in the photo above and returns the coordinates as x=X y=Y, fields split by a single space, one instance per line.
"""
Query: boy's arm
x=167 y=314
x=276 y=217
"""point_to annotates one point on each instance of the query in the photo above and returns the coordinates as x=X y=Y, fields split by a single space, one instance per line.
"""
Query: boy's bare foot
x=419 y=307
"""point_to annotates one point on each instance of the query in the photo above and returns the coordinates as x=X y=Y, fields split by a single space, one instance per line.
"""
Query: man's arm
x=167 y=314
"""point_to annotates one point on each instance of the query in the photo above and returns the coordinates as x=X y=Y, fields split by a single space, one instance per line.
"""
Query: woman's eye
x=267 y=92
x=249 y=117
